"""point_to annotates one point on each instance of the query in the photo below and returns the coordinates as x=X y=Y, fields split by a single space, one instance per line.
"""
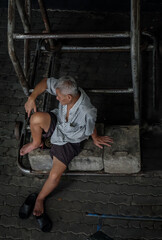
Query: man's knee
x=41 y=119
x=54 y=177
x=35 y=118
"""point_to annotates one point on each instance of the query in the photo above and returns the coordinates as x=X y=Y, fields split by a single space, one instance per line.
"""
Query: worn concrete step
x=89 y=159
x=40 y=159
x=124 y=155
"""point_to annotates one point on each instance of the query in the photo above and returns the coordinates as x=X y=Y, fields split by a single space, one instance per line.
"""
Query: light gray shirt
x=81 y=120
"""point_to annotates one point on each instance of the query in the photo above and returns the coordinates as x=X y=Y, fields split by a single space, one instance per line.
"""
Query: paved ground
x=135 y=195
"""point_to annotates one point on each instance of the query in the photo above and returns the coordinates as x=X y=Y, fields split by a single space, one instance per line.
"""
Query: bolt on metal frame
x=134 y=47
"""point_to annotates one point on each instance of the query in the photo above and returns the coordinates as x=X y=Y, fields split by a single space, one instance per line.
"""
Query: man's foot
x=39 y=207
x=28 y=148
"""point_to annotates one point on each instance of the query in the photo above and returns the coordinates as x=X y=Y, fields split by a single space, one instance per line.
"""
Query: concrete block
x=124 y=155
x=40 y=159
x=90 y=158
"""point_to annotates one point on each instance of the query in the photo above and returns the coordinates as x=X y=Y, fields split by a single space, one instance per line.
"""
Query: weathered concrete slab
x=90 y=158
x=40 y=159
x=124 y=155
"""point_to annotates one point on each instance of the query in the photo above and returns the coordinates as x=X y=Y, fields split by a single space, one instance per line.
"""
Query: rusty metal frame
x=70 y=35
x=27 y=41
x=125 y=48
x=135 y=53
x=11 y=49
x=154 y=69
x=46 y=22
x=134 y=48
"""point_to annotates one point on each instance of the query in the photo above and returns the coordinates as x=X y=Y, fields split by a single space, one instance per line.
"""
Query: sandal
x=28 y=206
x=44 y=222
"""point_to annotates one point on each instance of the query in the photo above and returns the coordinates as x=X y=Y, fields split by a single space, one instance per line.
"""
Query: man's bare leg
x=50 y=184
x=39 y=121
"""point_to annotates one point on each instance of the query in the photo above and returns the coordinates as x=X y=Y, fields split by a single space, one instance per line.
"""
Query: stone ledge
x=89 y=159
x=124 y=155
x=40 y=159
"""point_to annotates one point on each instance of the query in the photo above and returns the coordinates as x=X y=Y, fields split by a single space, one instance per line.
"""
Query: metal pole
x=155 y=60
x=23 y=16
x=27 y=41
x=120 y=91
x=135 y=53
x=11 y=50
x=111 y=216
x=72 y=35
x=72 y=49
x=154 y=70
x=46 y=21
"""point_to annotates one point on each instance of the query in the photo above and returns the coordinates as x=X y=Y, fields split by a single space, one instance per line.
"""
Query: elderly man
x=70 y=124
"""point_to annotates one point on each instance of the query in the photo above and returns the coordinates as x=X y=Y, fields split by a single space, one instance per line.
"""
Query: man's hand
x=30 y=105
x=102 y=140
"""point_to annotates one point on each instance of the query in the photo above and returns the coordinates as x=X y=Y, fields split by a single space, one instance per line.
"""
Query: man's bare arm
x=101 y=140
x=30 y=104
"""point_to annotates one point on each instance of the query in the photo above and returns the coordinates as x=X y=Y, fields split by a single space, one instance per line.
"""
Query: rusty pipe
x=154 y=69
x=135 y=53
x=73 y=49
x=120 y=91
x=71 y=35
x=23 y=16
x=46 y=21
x=27 y=41
x=11 y=50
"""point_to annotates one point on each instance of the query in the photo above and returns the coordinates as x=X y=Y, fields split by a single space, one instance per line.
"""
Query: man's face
x=63 y=99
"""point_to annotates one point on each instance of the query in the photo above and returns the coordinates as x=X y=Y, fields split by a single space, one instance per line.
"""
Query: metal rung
x=129 y=90
x=70 y=35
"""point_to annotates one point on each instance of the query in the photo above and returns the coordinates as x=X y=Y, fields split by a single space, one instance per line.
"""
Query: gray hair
x=67 y=85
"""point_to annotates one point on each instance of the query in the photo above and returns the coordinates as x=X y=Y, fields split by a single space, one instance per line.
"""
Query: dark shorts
x=65 y=153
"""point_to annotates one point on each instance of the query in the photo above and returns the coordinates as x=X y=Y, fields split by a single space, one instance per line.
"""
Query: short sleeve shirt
x=81 y=120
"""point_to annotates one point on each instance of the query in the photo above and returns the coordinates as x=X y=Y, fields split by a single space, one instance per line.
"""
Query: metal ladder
x=24 y=11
